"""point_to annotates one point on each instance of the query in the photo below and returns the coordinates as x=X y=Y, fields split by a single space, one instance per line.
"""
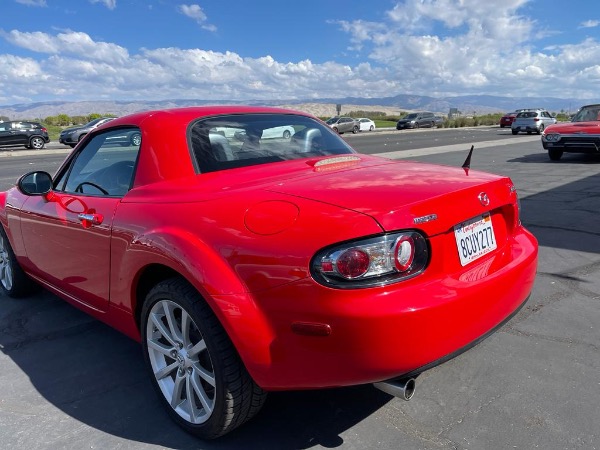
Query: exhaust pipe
x=403 y=388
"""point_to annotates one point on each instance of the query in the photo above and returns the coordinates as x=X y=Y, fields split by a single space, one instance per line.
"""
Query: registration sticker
x=475 y=238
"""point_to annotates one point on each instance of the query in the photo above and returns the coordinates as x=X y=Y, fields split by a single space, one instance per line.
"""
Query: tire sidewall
x=199 y=313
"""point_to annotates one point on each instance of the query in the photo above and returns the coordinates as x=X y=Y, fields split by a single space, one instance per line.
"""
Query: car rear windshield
x=527 y=114
x=239 y=140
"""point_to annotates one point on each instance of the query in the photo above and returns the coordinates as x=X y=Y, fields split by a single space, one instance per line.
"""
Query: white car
x=366 y=124
x=284 y=132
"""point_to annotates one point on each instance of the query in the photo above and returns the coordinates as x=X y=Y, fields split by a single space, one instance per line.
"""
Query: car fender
x=186 y=254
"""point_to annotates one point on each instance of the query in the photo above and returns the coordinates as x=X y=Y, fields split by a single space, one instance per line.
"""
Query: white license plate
x=474 y=238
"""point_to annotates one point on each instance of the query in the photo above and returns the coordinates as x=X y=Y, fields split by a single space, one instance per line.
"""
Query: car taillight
x=537 y=119
x=44 y=130
x=373 y=261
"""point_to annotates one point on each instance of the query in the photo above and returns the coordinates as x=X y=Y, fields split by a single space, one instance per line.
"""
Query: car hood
x=396 y=194
x=591 y=127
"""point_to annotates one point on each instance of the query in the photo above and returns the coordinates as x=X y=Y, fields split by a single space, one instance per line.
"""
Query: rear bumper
x=383 y=333
x=577 y=145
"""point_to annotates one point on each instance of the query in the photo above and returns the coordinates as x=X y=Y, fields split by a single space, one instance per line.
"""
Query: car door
x=67 y=233
x=7 y=134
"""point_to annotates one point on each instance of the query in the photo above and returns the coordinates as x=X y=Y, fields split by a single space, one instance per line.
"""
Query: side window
x=105 y=166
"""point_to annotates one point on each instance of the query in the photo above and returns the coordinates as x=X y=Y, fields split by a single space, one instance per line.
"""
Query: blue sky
x=77 y=50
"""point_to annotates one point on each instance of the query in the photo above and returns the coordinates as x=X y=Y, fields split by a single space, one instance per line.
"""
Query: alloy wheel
x=180 y=362
x=6 y=273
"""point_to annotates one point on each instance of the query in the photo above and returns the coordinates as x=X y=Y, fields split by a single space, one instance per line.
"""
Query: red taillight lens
x=44 y=130
x=374 y=261
x=537 y=119
x=353 y=263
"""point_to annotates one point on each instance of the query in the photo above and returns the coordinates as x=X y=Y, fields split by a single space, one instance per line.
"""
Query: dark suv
x=18 y=132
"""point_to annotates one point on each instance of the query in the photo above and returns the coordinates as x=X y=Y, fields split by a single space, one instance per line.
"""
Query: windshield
x=411 y=116
x=227 y=142
x=587 y=113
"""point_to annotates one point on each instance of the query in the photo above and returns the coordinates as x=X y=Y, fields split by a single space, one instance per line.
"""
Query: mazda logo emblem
x=484 y=199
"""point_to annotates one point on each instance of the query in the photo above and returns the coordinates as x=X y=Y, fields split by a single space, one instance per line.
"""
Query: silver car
x=343 y=124
x=532 y=121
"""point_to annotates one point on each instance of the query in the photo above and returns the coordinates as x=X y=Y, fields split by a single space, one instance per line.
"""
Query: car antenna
x=467 y=164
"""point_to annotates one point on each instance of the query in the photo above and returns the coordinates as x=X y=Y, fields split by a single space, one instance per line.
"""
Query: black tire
x=515 y=131
x=371 y=128
x=136 y=139
x=555 y=154
x=229 y=397
x=540 y=129
x=72 y=145
x=355 y=129
x=336 y=130
x=13 y=281
x=37 y=143
x=287 y=134
x=501 y=126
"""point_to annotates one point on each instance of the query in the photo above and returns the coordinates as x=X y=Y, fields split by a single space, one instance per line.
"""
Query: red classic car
x=246 y=265
x=581 y=135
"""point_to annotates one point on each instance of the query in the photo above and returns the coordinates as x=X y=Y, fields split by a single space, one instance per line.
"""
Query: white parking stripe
x=456 y=147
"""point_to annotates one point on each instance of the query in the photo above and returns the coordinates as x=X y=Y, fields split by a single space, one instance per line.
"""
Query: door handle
x=89 y=219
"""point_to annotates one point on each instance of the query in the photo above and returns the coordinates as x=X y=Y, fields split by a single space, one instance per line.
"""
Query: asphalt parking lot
x=68 y=381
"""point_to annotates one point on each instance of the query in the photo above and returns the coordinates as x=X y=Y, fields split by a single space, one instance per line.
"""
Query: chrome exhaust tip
x=403 y=388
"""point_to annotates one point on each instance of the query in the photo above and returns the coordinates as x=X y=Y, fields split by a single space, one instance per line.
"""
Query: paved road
x=68 y=381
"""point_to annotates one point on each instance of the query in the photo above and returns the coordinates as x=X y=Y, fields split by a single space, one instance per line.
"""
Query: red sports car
x=247 y=264
x=581 y=135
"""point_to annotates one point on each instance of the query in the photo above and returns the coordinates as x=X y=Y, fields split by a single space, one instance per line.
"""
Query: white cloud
x=110 y=4
x=75 y=43
x=195 y=12
x=483 y=49
x=32 y=2
x=590 y=24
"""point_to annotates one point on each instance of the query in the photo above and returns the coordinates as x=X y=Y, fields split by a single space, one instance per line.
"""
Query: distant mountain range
x=468 y=104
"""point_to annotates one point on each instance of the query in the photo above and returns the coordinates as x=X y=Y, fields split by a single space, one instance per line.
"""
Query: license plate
x=474 y=238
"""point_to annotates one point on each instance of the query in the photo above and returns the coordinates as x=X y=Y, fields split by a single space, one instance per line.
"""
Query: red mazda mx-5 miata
x=252 y=250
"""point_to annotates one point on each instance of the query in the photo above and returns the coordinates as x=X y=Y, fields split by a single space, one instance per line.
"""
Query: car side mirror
x=35 y=183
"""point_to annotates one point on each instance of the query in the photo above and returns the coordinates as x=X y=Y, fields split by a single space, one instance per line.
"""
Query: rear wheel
x=540 y=129
x=13 y=281
x=287 y=134
x=371 y=128
x=194 y=367
x=36 y=143
x=515 y=131
x=555 y=154
x=355 y=129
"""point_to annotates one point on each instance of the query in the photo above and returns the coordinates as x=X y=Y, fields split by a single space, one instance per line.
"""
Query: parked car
x=507 y=119
x=532 y=121
x=212 y=253
x=366 y=124
x=343 y=124
x=283 y=132
x=581 y=135
x=438 y=121
x=72 y=136
x=19 y=132
x=417 y=120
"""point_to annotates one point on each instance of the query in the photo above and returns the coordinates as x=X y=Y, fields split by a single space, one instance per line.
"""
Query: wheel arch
x=218 y=285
